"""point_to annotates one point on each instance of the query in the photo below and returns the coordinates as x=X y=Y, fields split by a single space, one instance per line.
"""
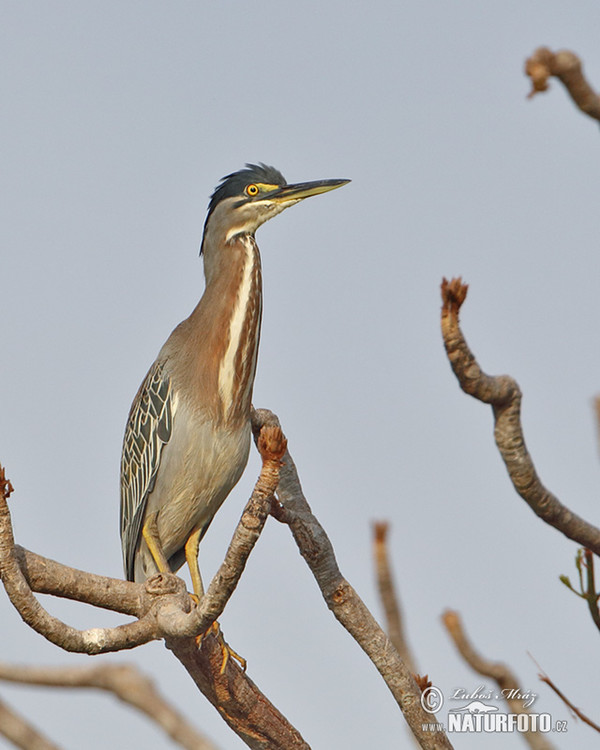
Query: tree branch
x=504 y=395
x=567 y=702
x=565 y=66
x=20 y=732
x=126 y=682
x=387 y=594
x=342 y=599
x=507 y=682
x=241 y=704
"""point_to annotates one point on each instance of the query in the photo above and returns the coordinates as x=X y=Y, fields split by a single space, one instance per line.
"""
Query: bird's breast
x=200 y=466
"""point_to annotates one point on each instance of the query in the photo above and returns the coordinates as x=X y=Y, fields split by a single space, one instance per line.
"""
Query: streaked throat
x=238 y=366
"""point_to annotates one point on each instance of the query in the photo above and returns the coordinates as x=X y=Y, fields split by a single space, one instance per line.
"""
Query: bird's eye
x=252 y=190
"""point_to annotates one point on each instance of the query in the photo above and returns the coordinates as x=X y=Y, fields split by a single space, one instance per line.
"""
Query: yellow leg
x=191 y=557
x=152 y=539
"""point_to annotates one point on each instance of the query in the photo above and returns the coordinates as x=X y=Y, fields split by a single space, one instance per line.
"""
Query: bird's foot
x=226 y=650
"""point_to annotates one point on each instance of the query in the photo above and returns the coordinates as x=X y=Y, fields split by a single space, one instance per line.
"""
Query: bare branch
x=20 y=732
x=45 y=576
x=342 y=599
x=544 y=678
x=504 y=395
x=126 y=682
x=272 y=446
x=387 y=594
x=500 y=673
x=565 y=66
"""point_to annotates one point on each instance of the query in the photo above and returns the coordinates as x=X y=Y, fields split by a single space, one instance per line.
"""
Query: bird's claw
x=226 y=650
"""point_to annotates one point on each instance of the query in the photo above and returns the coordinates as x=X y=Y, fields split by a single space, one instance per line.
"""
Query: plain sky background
x=118 y=119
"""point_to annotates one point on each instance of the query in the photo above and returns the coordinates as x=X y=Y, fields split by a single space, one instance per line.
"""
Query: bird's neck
x=231 y=308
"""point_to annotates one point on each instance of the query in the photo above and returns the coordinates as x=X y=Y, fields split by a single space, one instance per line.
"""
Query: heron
x=188 y=433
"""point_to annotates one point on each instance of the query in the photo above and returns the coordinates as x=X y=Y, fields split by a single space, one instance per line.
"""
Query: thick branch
x=126 y=682
x=342 y=599
x=387 y=594
x=504 y=395
x=565 y=66
x=20 y=732
x=240 y=703
x=504 y=678
x=45 y=576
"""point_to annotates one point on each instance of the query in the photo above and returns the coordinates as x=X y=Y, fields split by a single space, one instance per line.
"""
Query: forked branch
x=164 y=609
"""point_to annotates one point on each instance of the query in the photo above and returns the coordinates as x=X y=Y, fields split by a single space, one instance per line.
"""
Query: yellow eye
x=252 y=190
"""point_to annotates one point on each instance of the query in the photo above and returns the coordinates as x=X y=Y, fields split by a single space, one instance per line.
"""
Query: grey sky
x=118 y=121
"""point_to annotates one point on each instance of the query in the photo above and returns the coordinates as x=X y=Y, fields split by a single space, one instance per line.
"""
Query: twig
x=500 y=673
x=585 y=559
x=591 y=594
x=20 y=732
x=565 y=66
x=126 y=682
x=342 y=599
x=544 y=678
x=504 y=395
x=388 y=596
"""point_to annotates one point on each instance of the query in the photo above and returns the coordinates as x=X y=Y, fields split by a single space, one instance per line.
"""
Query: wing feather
x=148 y=430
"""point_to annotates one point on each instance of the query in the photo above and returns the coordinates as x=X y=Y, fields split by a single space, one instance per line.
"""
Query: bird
x=187 y=437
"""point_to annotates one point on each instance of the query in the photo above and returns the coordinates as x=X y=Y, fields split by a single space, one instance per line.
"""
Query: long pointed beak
x=302 y=190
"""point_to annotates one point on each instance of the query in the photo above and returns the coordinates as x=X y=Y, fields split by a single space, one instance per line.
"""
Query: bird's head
x=246 y=199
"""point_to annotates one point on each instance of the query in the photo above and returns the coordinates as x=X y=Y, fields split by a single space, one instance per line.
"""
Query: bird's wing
x=148 y=429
